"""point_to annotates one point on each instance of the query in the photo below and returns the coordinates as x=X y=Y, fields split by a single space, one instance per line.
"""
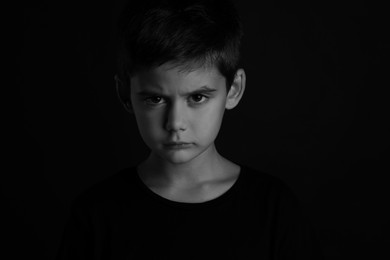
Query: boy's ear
x=124 y=95
x=236 y=89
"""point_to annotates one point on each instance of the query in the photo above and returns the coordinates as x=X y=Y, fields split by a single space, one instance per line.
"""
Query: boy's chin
x=178 y=157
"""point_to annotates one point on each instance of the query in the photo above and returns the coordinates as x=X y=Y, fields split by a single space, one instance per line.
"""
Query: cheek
x=208 y=124
x=147 y=124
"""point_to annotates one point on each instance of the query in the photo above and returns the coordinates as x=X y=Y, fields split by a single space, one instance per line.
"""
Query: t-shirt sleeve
x=77 y=239
x=295 y=236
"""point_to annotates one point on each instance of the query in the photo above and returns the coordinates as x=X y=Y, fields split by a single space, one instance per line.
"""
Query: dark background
x=314 y=114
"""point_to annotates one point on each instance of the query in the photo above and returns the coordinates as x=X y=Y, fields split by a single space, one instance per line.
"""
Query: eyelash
x=149 y=102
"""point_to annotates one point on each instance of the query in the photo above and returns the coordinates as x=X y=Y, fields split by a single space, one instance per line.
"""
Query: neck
x=202 y=168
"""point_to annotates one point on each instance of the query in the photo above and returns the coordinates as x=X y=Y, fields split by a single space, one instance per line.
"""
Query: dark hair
x=187 y=33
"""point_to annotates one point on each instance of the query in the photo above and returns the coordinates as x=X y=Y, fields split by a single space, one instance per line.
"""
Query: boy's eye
x=193 y=99
x=198 y=98
x=154 y=100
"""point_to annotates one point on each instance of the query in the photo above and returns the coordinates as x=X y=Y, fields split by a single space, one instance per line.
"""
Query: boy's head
x=178 y=62
x=187 y=33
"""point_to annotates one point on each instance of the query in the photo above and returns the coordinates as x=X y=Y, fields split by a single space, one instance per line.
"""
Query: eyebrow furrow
x=201 y=92
x=155 y=93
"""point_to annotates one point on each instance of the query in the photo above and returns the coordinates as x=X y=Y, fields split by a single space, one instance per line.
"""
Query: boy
x=178 y=72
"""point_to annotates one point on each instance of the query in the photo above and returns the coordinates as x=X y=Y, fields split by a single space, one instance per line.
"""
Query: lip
x=177 y=145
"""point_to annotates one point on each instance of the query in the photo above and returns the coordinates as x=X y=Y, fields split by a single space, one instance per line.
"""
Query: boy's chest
x=227 y=231
x=196 y=194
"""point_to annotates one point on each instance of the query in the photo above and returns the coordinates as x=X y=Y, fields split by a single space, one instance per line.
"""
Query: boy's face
x=173 y=107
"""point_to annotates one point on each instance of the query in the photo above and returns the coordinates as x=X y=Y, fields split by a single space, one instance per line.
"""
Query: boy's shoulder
x=273 y=190
x=263 y=180
x=116 y=186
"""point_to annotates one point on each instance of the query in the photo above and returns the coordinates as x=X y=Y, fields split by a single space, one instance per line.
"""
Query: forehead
x=170 y=75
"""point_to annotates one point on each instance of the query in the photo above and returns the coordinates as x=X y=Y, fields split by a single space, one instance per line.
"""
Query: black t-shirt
x=259 y=217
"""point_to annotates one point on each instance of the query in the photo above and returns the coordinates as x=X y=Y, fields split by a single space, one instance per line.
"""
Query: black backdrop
x=314 y=114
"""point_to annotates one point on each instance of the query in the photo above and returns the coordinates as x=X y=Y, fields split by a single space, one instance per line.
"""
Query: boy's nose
x=175 y=118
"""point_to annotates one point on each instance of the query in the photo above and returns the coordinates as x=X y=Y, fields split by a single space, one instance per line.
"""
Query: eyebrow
x=201 y=90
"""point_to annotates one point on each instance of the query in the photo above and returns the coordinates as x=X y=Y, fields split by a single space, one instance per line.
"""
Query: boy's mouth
x=177 y=145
